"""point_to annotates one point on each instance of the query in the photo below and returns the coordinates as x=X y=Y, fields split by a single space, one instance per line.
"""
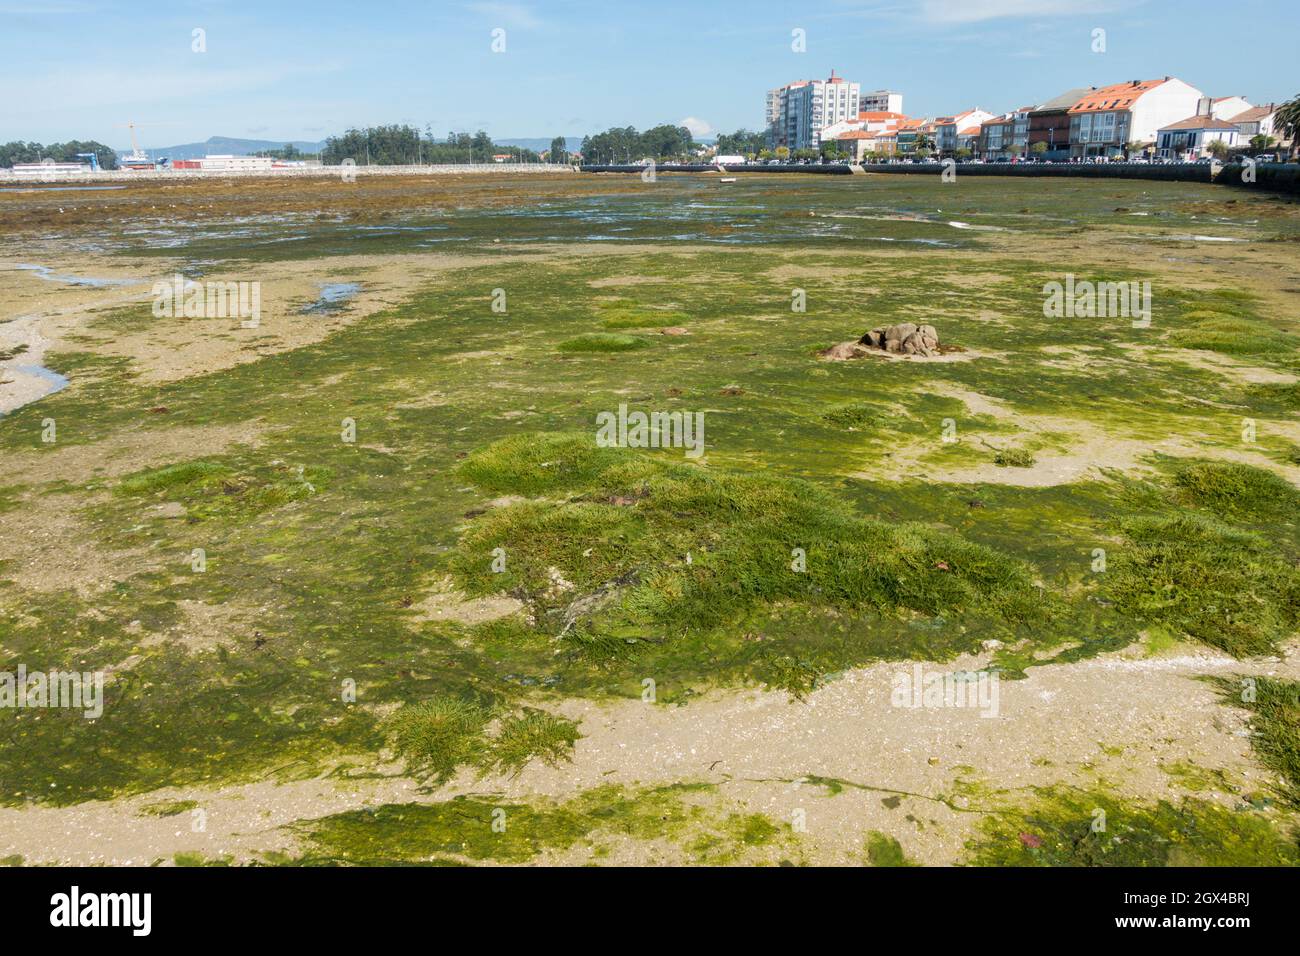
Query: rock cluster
x=902 y=339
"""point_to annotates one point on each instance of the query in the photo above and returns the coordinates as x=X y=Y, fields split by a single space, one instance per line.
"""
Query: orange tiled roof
x=1117 y=96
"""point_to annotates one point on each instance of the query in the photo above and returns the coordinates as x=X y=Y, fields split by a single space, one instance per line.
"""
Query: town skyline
x=576 y=68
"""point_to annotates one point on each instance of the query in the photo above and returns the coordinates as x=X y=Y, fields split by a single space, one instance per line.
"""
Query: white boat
x=727 y=179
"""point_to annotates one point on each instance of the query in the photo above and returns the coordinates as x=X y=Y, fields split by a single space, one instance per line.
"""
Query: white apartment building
x=1222 y=107
x=880 y=101
x=1256 y=120
x=1105 y=120
x=772 y=109
x=1190 y=138
x=800 y=111
x=961 y=131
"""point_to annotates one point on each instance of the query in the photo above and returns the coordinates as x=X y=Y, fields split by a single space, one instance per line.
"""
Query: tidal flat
x=366 y=588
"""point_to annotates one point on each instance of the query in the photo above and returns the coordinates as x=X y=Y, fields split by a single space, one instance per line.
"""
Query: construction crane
x=138 y=159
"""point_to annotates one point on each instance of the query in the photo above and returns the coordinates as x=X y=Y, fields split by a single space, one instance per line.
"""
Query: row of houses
x=1164 y=118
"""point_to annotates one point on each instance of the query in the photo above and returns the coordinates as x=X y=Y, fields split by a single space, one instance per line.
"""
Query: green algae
x=1068 y=827
x=477 y=829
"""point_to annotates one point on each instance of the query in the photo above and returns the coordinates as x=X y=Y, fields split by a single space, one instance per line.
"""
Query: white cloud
x=698 y=127
x=972 y=11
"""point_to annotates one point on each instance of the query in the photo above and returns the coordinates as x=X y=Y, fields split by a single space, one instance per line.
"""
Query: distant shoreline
x=7 y=176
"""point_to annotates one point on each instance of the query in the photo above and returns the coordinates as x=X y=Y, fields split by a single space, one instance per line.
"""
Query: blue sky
x=286 y=69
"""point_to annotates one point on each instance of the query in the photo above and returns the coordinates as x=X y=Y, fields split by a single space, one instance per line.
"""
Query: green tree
x=1038 y=148
x=559 y=151
x=626 y=145
x=402 y=145
x=1217 y=148
x=69 y=152
x=1287 y=120
x=742 y=142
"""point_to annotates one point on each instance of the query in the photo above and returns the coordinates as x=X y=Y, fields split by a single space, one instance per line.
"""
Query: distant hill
x=221 y=145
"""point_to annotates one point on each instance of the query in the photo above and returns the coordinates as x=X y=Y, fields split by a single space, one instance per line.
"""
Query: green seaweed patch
x=1069 y=827
x=650 y=549
x=436 y=736
x=530 y=735
x=1014 y=458
x=1238 y=491
x=1197 y=576
x=473 y=829
x=536 y=464
x=212 y=490
x=854 y=415
x=168 y=808
x=196 y=859
x=603 y=342
x=625 y=316
x=1274 y=706
x=1232 y=336
x=881 y=849
x=439 y=735
x=1274 y=396
x=1197 y=779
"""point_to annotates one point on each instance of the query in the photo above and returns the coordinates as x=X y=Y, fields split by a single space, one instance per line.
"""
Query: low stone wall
x=8 y=178
x=830 y=169
x=1272 y=177
x=1171 y=172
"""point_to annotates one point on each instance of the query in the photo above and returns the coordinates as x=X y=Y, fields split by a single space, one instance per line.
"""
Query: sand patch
x=204 y=627
x=37 y=314
x=126 y=452
x=447 y=604
x=1091 y=449
x=1233 y=369
x=53 y=549
x=618 y=282
x=55 y=316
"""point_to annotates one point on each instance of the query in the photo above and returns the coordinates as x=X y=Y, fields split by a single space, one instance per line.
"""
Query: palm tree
x=1287 y=121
